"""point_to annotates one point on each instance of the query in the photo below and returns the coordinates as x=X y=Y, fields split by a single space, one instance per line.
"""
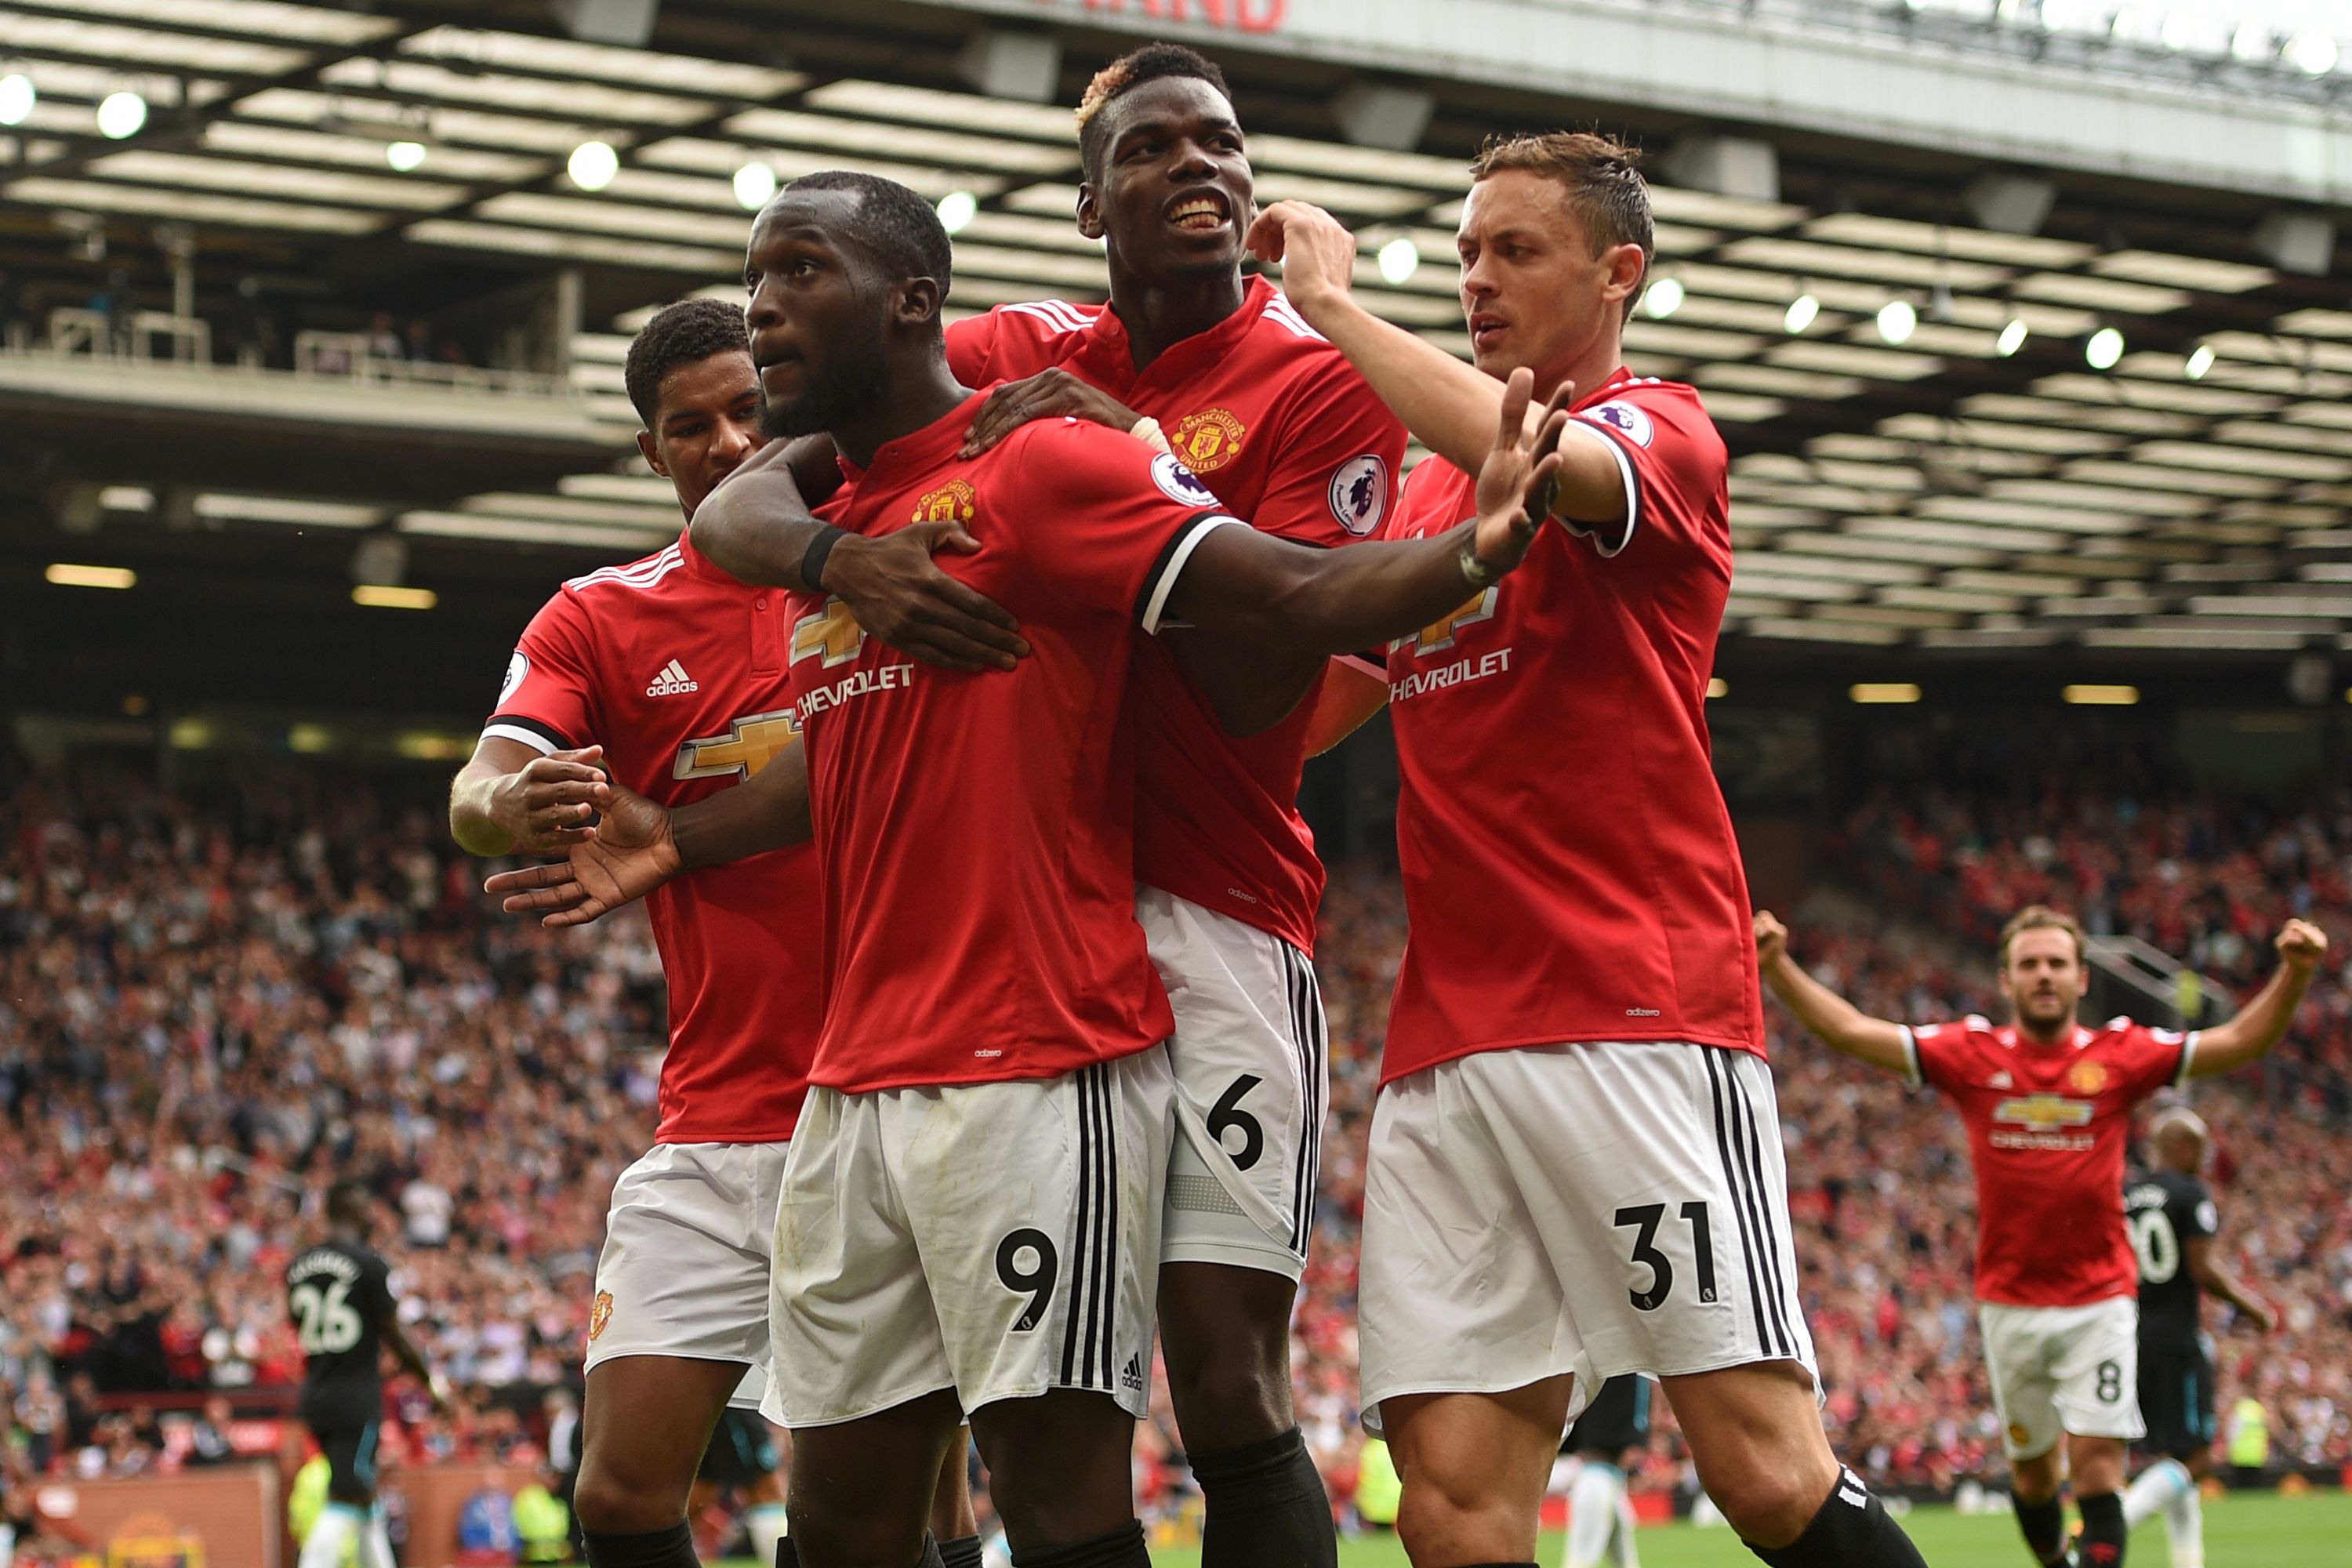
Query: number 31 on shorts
x=1643 y=1220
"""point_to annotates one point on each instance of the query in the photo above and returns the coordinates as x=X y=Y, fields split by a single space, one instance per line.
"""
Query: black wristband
x=812 y=560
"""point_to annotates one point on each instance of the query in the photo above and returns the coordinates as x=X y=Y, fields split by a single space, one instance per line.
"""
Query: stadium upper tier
x=1974 y=406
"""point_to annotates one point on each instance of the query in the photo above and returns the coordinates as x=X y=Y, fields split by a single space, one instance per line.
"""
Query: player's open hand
x=1516 y=483
x=898 y=593
x=629 y=853
x=2302 y=945
x=2260 y=1317
x=1318 y=254
x=545 y=806
x=1771 y=939
x=1053 y=393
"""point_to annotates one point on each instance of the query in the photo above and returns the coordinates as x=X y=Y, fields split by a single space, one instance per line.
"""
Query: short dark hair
x=1602 y=178
x=1123 y=76
x=350 y=1202
x=899 y=230
x=678 y=335
x=2040 y=917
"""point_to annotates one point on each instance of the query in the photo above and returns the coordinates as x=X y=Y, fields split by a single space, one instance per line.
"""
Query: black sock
x=1852 y=1530
x=2104 y=1534
x=1121 y=1548
x=671 y=1548
x=2045 y=1524
x=787 y=1555
x=1265 y=1507
x=962 y=1552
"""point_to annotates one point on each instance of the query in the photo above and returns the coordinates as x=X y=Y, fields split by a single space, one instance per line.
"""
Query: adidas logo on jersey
x=673 y=681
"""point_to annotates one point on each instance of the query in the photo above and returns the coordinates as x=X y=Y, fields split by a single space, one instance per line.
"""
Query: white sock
x=1592 y=1513
x=2184 y=1525
x=2155 y=1491
x=764 y=1523
x=8 y=1544
x=1620 y=1545
x=323 y=1547
x=375 y=1541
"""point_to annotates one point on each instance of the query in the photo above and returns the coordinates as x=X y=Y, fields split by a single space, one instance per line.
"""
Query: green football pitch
x=2251 y=1530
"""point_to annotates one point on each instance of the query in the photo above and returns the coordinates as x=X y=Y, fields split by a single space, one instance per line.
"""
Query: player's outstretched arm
x=757 y=527
x=1291 y=603
x=640 y=846
x=2197 y=1254
x=509 y=799
x=1449 y=406
x=2263 y=1021
x=1843 y=1026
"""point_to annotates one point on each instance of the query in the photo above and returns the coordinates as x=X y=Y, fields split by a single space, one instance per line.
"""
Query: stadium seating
x=222 y=996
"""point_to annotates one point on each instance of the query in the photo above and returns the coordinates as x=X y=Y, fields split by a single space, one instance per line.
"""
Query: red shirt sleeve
x=1111 y=521
x=1671 y=458
x=1342 y=459
x=2155 y=1058
x=549 y=697
x=1940 y=1053
x=972 y=345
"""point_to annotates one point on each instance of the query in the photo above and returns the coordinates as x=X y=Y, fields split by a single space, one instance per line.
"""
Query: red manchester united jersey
x=680 y=671
x=2048 y=1127
x=1570 y=867
x=1288 y=436
x=976 y=831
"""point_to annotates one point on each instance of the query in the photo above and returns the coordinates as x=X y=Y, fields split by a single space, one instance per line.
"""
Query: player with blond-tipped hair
x=2048 y=1103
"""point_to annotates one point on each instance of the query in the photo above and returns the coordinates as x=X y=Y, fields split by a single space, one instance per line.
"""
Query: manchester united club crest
x=951 y=502
x=600 y=1314
x=1208 y=440
x=2086 y=1077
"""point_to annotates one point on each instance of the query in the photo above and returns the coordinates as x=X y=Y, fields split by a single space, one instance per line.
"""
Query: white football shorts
x=1590 y=1208
x=1000 y=1239
x=2057 y=1370
x=685 y=1267
x=1252 y=1084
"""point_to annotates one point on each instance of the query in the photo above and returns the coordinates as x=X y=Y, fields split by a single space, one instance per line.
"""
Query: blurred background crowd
x=221 y=996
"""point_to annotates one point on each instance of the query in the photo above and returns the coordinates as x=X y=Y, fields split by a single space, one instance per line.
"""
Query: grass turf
x=2258 y=1530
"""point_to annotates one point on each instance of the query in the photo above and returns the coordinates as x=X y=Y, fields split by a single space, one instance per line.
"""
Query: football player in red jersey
x=669 y=675
x=2048 y=1105
x=1276 y=424
x=970 y=1212
x=1575 y=1109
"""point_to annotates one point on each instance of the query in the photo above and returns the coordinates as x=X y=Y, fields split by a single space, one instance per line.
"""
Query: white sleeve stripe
x=1202 y=528
x=532 y=738
x=1632 y=490
x=2188 y=1054
x=1913 y=1072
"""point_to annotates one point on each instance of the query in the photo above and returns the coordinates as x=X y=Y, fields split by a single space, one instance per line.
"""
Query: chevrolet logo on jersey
x=832 y=631
x=1440 y=634
x=2043 y=1113
x=748 y=746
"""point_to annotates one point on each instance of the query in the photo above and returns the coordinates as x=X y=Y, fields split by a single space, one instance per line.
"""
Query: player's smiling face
x=2044 y=980
x=1175 y=193
x=815 y=315
x=1533 y=291
x=706 y=421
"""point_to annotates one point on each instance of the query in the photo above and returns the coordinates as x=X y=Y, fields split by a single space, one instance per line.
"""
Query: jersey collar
x=1109 y=356
x=927 y=447
x=696 y=561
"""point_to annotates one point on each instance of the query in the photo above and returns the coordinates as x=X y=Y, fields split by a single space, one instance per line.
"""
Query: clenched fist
x=2302 y=945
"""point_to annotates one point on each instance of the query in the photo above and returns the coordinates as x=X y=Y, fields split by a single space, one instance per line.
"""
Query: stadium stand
x=231 y=990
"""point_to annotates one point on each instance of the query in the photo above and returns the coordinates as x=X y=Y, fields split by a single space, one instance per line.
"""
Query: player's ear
x=1090 y=222
x=651 y=453
x=918 y=300
x=1627 y=267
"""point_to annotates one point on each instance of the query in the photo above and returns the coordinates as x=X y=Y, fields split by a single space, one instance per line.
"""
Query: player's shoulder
x=612 y=585
x=2128 y=1032
x=1645 y=409
x=1038 y=321
x=1971 y=1028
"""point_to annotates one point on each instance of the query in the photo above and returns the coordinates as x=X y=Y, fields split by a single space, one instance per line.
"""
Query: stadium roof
x=1946 y=453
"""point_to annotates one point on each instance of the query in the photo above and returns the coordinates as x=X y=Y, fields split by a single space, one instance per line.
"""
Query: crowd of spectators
x=219 y=998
